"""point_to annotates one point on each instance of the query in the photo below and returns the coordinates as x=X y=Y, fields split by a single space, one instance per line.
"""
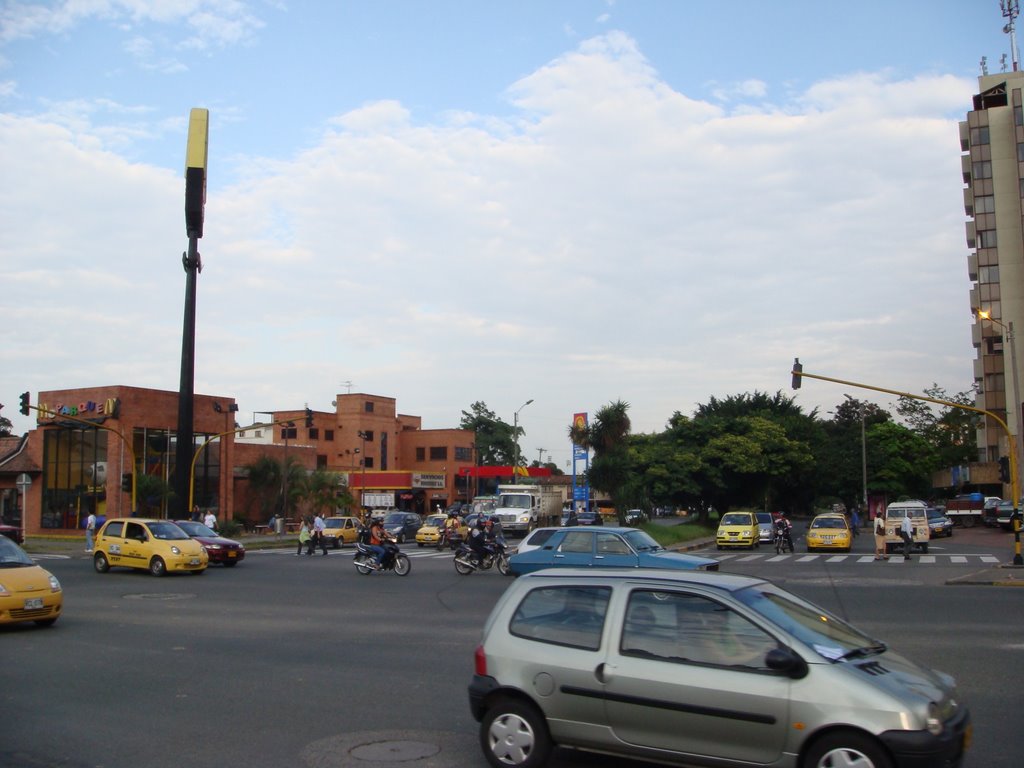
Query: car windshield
x=395 y=518
x=13 y=556
x=828 y=522
x=736 y=518
x=515 y=501
x=641 y=541
x=935 y=514
x=437 y=520
x=334 y=522
x=764 y=518
x=829 y=636
x=168 y=531
x=194 y=529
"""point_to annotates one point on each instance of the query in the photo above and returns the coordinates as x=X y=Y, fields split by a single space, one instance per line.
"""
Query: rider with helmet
x=378 y=537
x=784 y=528
x=478 y=538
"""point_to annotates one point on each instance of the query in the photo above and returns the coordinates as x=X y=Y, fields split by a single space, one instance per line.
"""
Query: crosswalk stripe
x=957 y=559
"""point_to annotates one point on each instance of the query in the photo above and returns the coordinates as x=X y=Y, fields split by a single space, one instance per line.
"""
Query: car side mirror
x=787 y=661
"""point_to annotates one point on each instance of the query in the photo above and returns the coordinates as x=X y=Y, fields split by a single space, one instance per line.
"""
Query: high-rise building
x=992 y=140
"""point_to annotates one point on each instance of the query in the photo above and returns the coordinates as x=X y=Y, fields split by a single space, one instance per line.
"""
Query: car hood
x=900 y=677
x=25 y=580
x=216 y=540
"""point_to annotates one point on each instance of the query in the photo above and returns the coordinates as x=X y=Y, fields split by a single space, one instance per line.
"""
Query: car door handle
x=603 y=672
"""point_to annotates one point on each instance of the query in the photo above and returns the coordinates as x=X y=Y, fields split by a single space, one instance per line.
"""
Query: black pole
x=186 y=387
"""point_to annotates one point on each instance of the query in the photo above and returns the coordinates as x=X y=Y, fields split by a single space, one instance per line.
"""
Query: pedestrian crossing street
x=828 y=557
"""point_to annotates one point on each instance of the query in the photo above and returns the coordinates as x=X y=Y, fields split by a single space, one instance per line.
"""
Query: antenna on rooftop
x=348 y=386
x=1002 y=63
x=984 y=65
x=1011 y=9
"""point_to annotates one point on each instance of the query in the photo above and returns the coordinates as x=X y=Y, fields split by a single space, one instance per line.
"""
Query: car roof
x=831 y=514
x=592 y=529
x=729 y=582
x=135 y=520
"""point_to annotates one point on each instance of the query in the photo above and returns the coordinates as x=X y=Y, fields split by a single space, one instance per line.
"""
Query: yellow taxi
x=157 y=546
x=429 y=534
x=27 y=592
x=829 y=531
x=738 y=529
x=339 y=531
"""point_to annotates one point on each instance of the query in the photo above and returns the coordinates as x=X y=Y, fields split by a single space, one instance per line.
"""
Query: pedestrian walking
x=210 y=521
x=880 y=550
x=305 y=538
x=90 y=529
x=855 y=521
x=907 y=534
x=318 y=534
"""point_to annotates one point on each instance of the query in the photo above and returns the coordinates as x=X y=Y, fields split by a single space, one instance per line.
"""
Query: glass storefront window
x=75 y=476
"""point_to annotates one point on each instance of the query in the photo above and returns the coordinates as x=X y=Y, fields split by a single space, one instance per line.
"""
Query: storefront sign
x=427 y=480
x=90 y=410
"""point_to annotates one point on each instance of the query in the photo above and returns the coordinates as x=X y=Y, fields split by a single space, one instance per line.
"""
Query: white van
x=917 y=511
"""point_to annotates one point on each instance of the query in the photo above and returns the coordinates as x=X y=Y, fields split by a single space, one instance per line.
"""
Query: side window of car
x=578 y=541
x=682 y=627
x=115 y=530
x=136 y=532
x=564 y=615
x=610 y=544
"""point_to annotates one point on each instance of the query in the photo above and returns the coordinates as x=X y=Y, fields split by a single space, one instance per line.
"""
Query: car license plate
x=194 y=561
x=232 y=553
x=33 y=603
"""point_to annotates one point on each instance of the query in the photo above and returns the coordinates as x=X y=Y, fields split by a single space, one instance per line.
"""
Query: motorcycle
x=782 y=541
x=448 y=537
x=466 y=560
x=394 y=559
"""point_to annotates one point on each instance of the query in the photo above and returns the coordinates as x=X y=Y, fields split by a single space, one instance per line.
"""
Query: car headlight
x=212 y=546
x=54 y=584
x=746 y=534
x=934 y=720
x=175 y=550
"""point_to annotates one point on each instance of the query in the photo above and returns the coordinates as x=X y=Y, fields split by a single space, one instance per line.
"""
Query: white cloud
x=613 y=239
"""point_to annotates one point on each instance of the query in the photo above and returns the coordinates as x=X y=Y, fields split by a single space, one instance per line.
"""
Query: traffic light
x=126 y=482
x=24 y=403
x=1004 y=469
x=309 y=418
x=797 y=373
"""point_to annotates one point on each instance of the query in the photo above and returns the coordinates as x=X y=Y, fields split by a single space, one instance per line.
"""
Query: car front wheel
x=100 y=563
x=514 y=734
x=158 y=567
x=847 y=750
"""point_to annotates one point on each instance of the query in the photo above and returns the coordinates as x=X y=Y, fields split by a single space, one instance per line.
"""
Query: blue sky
x=445 y=202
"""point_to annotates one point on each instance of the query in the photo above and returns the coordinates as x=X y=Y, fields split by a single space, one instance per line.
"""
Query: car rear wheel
x=846 y=749
x=100 y=563
x=158 y=567
x=514 y=734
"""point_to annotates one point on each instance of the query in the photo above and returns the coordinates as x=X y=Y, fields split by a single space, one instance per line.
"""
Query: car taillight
x=480 y=661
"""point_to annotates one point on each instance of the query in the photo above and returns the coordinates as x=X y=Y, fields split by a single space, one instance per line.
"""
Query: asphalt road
x=300 y=661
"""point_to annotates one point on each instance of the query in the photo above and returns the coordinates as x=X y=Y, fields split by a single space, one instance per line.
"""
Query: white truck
x=521 y=508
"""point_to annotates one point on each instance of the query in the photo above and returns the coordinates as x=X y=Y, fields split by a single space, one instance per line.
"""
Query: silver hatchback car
x=689 y=667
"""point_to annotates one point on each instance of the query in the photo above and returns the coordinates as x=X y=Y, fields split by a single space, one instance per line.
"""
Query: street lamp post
x=515 y=435
x=362 y=472
x=282 y=523
x=863 y=454
x=1019 y=442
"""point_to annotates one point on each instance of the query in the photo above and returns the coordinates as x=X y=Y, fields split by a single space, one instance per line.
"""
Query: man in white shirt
x=90 y=528
x=318 y=533
x=210 y=521
x=907 y=534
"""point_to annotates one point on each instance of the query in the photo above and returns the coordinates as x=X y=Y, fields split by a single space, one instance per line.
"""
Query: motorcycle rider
x=478 y=539
x=783 y=527
x=494 y=532
x=378 y=537
x=451 y=526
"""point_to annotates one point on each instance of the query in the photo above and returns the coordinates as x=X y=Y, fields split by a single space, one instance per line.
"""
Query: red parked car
x=220 y=550
x=12 y=532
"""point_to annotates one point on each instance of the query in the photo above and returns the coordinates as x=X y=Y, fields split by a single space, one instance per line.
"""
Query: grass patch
x=667 y=535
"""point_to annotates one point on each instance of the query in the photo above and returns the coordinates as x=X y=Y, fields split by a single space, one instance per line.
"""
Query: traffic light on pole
x=126 y=482
x=797 y=373
x=24 y=403
x=309 y=418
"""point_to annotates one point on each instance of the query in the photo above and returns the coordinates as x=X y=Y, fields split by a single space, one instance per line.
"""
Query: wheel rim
x=845 y=757
x=402 y=566
x=157 y=567
x=511 y=739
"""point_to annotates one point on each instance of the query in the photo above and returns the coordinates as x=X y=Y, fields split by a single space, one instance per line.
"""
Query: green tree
x=950 y=431
x=5 y=426
x=838 y=457
x=326 y=491
x=905 y=461
x=265 y=478
x=611 y=469
x=152 y=493
x=495 y=440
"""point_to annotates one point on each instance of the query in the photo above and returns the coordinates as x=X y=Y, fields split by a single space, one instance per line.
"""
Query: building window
x=1018 y=115
x=987 y=238
x=329 y=435
x=439 y=453
x=321 y=462
x=463 y=454
x=980 y=135
x=982 y=170
x=995 y=382
x=289 y=433
x=368 y=406
x=314 y=433
x=367 y=435
x=421 y=454
x=368 y=462
x=988 y=274
x=986 y=203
